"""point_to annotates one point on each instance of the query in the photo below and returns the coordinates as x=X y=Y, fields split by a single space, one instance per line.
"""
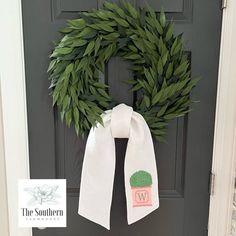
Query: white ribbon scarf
x=141 y=183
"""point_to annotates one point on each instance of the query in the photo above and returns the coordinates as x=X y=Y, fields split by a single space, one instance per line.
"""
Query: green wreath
x=161 y=68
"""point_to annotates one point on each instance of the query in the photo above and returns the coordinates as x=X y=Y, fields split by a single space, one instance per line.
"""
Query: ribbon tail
x=97 y=177
x=140 y=160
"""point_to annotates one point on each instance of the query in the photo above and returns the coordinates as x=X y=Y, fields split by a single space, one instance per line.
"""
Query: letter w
x=142 y=196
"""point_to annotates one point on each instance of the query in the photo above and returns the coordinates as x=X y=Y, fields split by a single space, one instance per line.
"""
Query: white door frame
x=14 y=115
x=4 y=227
x=12 y=73
x=224 y=151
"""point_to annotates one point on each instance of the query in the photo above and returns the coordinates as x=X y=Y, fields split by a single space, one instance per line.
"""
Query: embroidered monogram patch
x=140 y=183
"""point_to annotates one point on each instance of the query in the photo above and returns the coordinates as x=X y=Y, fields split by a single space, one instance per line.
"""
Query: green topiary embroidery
x=141 y=178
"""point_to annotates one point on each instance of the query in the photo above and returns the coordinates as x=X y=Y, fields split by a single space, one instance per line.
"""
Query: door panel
x=183 y=163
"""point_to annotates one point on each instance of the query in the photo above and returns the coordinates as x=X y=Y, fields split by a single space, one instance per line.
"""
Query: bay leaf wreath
x=160 y=66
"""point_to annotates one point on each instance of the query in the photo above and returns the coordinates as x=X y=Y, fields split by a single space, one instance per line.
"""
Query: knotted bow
x=141 y=183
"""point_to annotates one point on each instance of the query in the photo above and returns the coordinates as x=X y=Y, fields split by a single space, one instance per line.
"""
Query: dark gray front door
x=183 y=163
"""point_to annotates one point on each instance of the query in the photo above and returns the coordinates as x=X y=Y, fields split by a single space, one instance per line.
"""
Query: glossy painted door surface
x=183 y=163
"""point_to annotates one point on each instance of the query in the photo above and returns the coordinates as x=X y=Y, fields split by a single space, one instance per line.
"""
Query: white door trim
x=224 y=152
x=4 y=227
x=12 y=74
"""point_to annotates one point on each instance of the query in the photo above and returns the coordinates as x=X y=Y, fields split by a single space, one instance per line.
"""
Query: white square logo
x=42 y=203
